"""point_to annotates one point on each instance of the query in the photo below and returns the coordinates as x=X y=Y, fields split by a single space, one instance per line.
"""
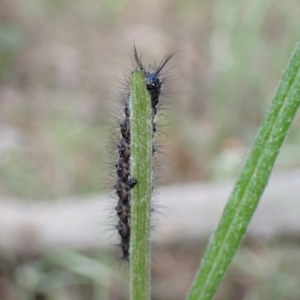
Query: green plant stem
x=141 y=169
x=251 y=184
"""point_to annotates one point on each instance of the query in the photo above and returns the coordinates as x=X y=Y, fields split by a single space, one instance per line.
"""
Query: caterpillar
x=124 y=181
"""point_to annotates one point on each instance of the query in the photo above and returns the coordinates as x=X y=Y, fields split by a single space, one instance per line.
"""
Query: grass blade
x=141 y=169
x=251 y=184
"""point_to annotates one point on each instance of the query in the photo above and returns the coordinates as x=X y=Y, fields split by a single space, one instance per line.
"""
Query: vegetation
x=57 y=80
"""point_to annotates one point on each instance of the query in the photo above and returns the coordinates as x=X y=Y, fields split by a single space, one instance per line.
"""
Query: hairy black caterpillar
x=125 y=182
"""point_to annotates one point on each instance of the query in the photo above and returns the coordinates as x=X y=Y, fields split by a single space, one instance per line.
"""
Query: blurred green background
x=59 y=67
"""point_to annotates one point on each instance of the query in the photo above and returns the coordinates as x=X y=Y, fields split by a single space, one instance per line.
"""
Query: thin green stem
x=251 y=184
x=141 y=169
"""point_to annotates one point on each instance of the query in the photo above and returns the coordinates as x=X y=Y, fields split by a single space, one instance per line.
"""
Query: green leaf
x=251 y=184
